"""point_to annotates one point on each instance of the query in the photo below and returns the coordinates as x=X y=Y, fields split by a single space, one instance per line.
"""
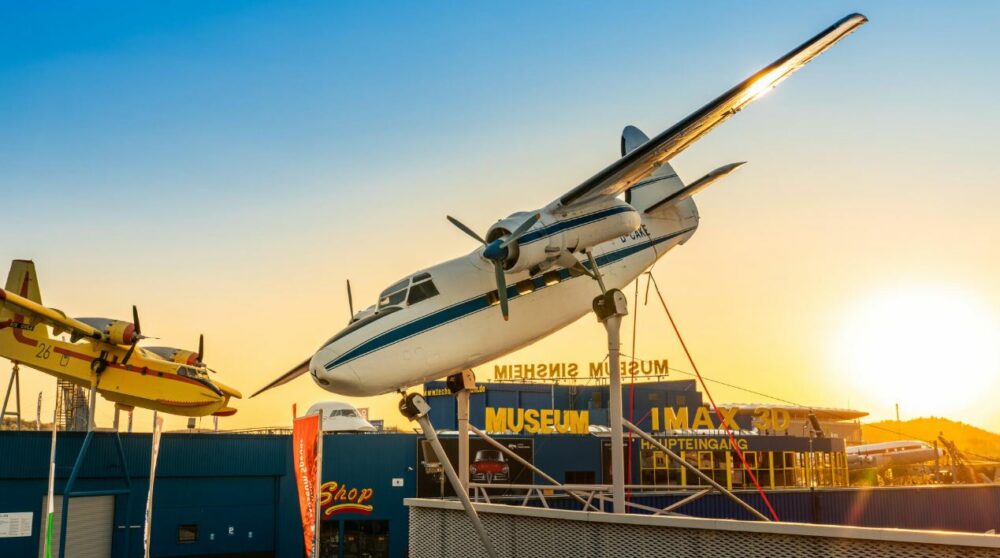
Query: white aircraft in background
x=888 y=454
x=338 y=416
x=536 y=266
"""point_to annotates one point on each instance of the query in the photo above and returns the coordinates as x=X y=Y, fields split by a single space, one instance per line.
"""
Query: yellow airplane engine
x=180 y=356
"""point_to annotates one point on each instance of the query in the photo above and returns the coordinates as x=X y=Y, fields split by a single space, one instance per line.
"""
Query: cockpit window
x=392 y=299
x=422 y=291
x=394 y=295
x=343 y=413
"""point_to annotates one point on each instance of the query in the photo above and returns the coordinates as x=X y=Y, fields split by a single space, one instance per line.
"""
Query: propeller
x=350 y=300
x=497 y=252
x=201 y=353
x=138 y=335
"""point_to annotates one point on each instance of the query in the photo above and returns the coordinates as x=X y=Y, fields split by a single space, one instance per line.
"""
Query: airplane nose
x=342 y=379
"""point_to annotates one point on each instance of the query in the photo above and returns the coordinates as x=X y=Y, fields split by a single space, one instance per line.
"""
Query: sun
x=934 y=349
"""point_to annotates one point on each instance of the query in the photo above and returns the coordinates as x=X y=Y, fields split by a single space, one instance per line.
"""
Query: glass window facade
x=773 y=469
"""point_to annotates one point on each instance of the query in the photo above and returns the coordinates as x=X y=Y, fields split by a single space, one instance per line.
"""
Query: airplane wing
x=36 y=313
x=299 y=370
x=641 y=161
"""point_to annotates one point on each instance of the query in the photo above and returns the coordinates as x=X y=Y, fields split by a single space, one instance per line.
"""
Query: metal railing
x=592 y=496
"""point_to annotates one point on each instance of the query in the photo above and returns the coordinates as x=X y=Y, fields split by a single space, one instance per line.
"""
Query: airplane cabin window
x=493 y=297
x=551 y=278
x=525 y=287
x=421 y=291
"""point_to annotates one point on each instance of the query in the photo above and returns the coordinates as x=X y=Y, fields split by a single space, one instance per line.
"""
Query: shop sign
x=337 y=498
x=537 y=421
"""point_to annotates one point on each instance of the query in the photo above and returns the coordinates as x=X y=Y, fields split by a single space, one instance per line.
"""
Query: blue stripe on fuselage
x=560 y=226
x=478 y=303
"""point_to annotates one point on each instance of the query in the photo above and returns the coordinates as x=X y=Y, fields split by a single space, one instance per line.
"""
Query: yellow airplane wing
x=36 y=313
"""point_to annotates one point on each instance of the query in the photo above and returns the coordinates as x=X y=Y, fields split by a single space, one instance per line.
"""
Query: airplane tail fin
x=660 y=183
x=23 y=281
x=663 y=189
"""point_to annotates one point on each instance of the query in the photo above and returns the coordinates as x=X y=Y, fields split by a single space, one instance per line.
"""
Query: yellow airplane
x=159 y=378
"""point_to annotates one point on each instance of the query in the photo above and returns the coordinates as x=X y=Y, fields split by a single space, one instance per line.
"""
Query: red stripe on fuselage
x=20 y=319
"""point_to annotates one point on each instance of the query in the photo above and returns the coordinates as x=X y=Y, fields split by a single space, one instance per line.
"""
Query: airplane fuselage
x=461 y=327
x=146 y=381
x=888 y=454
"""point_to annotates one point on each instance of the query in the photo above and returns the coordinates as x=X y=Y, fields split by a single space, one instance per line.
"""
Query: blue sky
x=197 y=157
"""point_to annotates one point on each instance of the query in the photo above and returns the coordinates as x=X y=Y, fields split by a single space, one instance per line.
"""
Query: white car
x=341 y=417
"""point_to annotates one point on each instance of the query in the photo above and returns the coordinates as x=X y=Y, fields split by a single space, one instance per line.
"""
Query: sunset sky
x=227 y=165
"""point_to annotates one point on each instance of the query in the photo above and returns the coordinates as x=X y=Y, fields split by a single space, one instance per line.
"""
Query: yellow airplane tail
x=22 y=280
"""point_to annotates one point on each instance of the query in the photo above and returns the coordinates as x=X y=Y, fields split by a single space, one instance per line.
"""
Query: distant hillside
x=968 y=438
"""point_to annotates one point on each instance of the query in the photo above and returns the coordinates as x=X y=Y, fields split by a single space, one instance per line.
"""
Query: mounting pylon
x=13 y=385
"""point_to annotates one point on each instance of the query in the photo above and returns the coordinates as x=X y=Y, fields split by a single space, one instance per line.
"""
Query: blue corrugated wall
x=971 y=508
x=245 y=482
x=238 y=489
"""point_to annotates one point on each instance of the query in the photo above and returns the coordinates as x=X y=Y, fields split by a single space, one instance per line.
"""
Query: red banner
x=306 y=453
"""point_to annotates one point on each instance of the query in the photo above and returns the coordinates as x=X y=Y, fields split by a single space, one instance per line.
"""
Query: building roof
x=799 y=412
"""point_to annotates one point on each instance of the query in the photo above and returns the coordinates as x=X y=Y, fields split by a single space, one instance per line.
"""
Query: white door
x=88 y=532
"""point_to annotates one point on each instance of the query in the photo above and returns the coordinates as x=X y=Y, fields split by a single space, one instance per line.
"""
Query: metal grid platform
x=440 y=528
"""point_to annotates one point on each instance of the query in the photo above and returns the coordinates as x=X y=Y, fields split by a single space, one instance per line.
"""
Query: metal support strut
x=610 y=307
x=695 y=471
x=415 y=407
x=461 y=385
x=15 y=383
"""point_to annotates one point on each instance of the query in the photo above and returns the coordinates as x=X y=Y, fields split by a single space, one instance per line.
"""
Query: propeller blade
x=520 y=230
x=465 y=229
x=201 y=347
x=128 y=353
x=350 y=299
x=135 y=320
x=502 y=290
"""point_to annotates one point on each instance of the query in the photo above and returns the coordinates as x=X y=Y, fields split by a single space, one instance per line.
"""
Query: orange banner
x=306 y=457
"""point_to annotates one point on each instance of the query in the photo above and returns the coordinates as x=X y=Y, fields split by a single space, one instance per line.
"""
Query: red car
x=489 y=467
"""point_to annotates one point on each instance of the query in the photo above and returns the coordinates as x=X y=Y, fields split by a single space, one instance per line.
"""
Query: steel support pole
x=613 y=325
x=91 y=419
x=462 y=492
x=462 y=399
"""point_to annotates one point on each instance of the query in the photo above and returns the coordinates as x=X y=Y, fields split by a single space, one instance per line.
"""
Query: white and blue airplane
x=888 y=454
x=535 y=268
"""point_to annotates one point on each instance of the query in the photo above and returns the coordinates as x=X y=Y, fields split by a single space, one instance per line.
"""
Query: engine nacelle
x=116 y=332
x=180 y=356
x=576 y=229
